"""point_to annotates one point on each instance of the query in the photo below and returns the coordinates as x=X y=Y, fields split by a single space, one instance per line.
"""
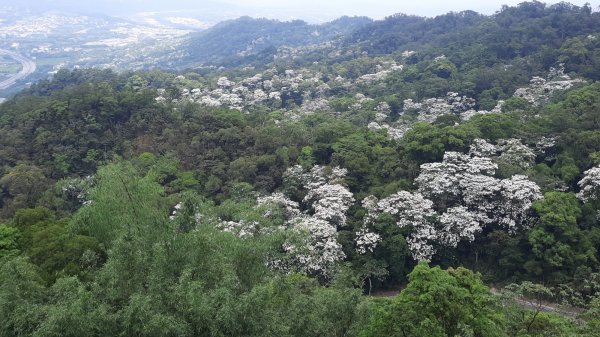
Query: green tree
x=122 y=204
x=9 y=238
x=439 y=303
x=557 y=243
x=515 y=103
x=22 y=294
x=23 y=186
x=73 y=310
x=49 y=245
x=306 y=158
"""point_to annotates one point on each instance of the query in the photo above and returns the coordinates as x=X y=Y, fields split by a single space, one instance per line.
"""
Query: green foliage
x=557 y=243
x=439 y=303
x=443 y=68
x=428 y=142
x=9 y=238
x=515 y=103
x=505 y=254
x=23 y=186
x=578 y=110
x=525 y=305
x=21 y=297
x=122 y=203
x=392 y=251
x=495 y=126
x=49 y=245
x=167 y=282
x=306 y=158
x=72 y=310
x=566 y=168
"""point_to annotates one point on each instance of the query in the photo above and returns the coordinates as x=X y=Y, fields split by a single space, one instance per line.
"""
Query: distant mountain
x=232 y=41
x=400 y=30
x=512 y=32
x=517 y=31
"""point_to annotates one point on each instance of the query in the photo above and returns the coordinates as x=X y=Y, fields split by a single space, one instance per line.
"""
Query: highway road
x=28 y=69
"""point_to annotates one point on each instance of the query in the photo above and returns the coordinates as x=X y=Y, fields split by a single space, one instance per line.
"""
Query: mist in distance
x=313 y=11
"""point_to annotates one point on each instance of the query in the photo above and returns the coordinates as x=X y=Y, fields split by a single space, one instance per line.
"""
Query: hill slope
x=231 y=42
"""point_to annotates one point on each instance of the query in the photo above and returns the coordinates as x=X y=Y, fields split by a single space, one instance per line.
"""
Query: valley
x=27 y=68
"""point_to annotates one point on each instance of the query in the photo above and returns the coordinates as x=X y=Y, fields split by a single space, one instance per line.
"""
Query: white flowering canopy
x=327 y=201
x=589 y=185
x=458 y=197
x=319 y=252
x=410 y=210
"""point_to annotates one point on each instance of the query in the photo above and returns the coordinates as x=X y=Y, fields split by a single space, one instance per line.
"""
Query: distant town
x=34 y=46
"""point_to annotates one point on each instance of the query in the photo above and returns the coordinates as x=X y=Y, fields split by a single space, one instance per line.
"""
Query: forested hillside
x=452 y=162
x=246 y=39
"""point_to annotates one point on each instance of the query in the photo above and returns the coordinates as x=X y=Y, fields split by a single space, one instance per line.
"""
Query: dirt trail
x=526 y=303
x=545 y=306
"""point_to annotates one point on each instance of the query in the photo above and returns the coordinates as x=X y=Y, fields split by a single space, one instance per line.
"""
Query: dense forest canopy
x=276 y=189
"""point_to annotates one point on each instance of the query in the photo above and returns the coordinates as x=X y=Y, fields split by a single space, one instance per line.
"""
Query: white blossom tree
x=292 y=208
x=413 y=211
x=479 y=193
x=445 y=181
x=326 y=203
x=458 y=223
x=511 y=151
x=457 y=198
x=366 y=241
x=318 y=251
x=242 y=228
x=515 y=153
x=482 y=148
x=77 y=189
x=589 y=185
x=330 y=203
x=517 y=196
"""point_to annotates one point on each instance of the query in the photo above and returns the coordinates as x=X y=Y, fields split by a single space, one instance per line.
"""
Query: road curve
x=28 y=69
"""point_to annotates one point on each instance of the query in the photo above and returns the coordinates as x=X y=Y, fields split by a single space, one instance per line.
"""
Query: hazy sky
x=309 y=10
x=381 y=8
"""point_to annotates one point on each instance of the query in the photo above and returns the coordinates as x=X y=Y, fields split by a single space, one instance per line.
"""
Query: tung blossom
x=242 y=228
x=589 y=185
x=318 y=250
x=292 y=208
x=322 y=250
x=366 y=241
x=467 y=197
x=518 y=194
x=78 y=189
x=411 y=210
x=515 y=153
x=330 y=202
x=458 y=223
